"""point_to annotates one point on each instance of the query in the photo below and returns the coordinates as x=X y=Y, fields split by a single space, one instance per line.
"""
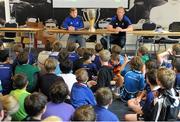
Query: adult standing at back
x=74 y=22
x=120 y=24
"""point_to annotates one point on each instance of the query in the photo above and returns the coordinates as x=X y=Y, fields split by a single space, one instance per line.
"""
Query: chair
x=173 y=27
x=9 y=37
x=147 y=39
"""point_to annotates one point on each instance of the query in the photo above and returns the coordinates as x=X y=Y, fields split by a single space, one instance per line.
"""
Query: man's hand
x=118 y=29
x=71 y=28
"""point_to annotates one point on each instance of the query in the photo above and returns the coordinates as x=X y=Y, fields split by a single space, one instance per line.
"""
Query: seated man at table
x=120 y=24
x=72 y=23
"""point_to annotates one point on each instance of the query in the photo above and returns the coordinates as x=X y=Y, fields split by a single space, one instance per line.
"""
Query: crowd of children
x=79 y=84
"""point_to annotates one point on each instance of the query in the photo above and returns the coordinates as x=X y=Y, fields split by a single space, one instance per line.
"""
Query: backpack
x=166 y=107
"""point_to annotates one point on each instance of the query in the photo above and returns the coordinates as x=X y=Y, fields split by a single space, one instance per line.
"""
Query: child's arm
x=125 y=62
x=162 y=56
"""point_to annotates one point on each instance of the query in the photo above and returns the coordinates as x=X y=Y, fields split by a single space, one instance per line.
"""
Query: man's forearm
x=129 y=28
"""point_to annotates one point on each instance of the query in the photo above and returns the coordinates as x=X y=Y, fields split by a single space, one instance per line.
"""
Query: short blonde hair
x=10 y=104
x=50 y=64
x=105 y=55
x=52 y=119
x=81 y=75
x=121 y=8
x=166 y=77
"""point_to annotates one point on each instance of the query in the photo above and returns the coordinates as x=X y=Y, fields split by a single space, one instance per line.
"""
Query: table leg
x=59 y=36
x=31 y=36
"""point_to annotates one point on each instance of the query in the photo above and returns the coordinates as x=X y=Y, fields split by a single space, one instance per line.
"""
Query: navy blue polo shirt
x=5 y=77
x=73 y=56
x=124 y=23
x=177 y=81
x=75 y=22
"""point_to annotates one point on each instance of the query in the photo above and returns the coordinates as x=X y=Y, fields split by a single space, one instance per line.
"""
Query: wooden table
x=103 y=32
x=31 y=32
x=154 y=33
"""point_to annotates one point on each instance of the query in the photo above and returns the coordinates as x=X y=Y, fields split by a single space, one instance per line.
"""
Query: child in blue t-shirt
x=89 y=65
x=104 y=98
x=134 y=80
x=71 y=48
x=98 y=48
x=6 y=72
x=81 y=94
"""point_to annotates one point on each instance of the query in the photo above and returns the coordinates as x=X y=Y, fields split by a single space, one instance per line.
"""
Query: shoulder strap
x=160 y=103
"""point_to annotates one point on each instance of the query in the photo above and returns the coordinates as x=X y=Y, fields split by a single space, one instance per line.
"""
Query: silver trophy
x=91 y=17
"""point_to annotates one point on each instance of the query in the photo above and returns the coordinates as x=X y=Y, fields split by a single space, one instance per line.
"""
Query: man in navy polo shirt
x=119 y=23
x=72 y=23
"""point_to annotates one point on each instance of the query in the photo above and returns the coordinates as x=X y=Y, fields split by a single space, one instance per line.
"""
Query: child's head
x=58 y=92
x=81 y=75
x=151 y=77
x=63 y=55
x=4 y=54
x=52 y=119
x=142 y=51
x=115 y=59
x=151 y=64
x=50 y=65
x=66 y=66
x=18 y=48
x=166 y=78
x=56 y=46
x=10 y=104
x=80 y=51
x=104 y=96
x=93 y=53
x=136 y=63
x=71 y=46
x=116 y=49
x=84 y=113
x=98 y=47
x=20 y=81
x=22 y=58
x=35 y=104
x=176 y=65
x=87 y=54
x=105 y=55
x=176 y=49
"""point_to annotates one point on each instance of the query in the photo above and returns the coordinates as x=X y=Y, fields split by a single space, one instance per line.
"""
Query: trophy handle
x=84 y=11
x=98 y=16
x=86 y=18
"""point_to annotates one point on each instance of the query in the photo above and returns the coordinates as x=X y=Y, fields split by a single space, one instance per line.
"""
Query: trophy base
x=92 y=30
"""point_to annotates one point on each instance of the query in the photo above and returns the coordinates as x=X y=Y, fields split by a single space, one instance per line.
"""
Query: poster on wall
x=24 y=9
x=142 y=8
x=2 y=12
